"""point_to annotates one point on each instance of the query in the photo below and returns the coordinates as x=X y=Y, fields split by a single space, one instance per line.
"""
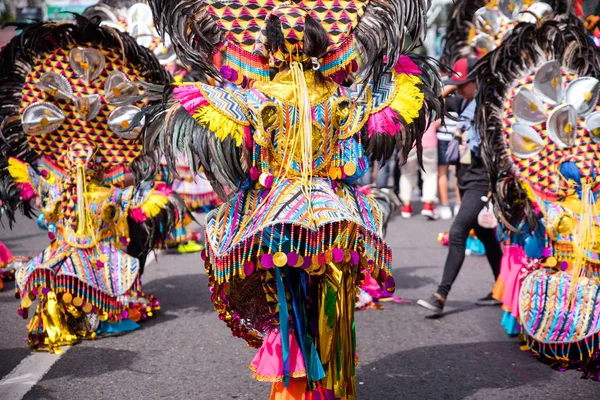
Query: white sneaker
x=445 y=212
x=456 y=209
x=429 y=211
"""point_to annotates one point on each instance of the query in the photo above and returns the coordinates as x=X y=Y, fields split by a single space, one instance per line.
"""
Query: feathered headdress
x=64 y=83
x=478 y=26
x=538 y=97
x=135 y=18
x=366 y=33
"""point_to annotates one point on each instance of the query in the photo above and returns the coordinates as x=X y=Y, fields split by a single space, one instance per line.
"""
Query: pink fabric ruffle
x=512 y=261
x=6 y=256
x=267 y=365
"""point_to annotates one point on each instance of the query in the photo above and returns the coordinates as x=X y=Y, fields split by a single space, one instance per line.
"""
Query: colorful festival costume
x=540 y=121
x=135 y=18
x=9 y=264
x=286 y=253
x=70 y=97
x=477 y=27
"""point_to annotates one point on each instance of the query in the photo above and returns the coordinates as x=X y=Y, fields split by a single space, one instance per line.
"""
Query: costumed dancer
x=286 y=254
x=540 y=127
x=477 y=27
x=135 y=18
x=9 y=264
x=371 y=294
x=70 y=95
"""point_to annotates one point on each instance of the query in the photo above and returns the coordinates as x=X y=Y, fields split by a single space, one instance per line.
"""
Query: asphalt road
x=186 y=352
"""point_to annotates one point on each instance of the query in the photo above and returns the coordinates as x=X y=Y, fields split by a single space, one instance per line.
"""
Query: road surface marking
x=32 y=368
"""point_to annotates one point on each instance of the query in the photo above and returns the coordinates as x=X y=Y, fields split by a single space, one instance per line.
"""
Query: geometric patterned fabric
x=541 y=171
x=242 y=20
x=546 y=314
x=112 y=149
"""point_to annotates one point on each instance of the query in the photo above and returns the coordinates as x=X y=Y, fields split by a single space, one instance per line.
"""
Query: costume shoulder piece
x=478 y=26
x=62 y=84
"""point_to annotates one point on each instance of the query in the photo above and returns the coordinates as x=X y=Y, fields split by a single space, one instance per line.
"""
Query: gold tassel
x=81 y=201
x=584 y=237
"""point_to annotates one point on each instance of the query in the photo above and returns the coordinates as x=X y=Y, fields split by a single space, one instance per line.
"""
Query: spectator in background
x=408 y=177
x=474 y=185
x=445 y=133
x=378 y=175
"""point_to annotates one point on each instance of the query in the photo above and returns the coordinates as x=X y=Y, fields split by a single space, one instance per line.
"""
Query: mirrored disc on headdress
x=142 y=33
x=139 y=13
x=55 y=85
x=510 y=8
x=582 y=93
x=535 y=11
x=487 y=21
x=483 y=44
x=113 y=25
x=548 y=83
x=119 y=90
x=165 y=51
x=524 y=141
x=528 y=108
x=88 y=106
x=592 y=125
x=562 y=125
x=87 y=63
x=164 y=54
x=120 y=120
x=41 y=118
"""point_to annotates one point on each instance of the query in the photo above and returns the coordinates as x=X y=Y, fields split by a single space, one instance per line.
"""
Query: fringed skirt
x=70 y=281
x=563 y=334
x=285 y=265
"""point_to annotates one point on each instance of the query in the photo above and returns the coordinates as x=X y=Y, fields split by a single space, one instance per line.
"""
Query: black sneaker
x=434 y=303
x=488 y=301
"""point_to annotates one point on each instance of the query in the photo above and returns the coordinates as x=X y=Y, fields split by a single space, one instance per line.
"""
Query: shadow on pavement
x=7 y=295
x=105 y=360
x=181 y=294
x=448 y=371
x=406 y=279
x=10 y=239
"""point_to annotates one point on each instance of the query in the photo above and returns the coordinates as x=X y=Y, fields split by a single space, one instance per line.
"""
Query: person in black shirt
x=474 y=187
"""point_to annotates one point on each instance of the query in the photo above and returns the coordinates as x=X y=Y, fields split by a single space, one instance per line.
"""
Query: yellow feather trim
x=222 y=126
x=18 y=170
x=409 y=98
x=154 y=204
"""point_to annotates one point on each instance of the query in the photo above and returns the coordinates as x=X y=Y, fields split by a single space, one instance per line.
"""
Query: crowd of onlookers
x=451 y=157
x=437 y=178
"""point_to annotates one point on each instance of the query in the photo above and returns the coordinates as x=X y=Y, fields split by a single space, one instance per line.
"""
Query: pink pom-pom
x=338 y=254
x=292 y=258
x=267 y=261
x=407 y=66
x=137 y=214
x=228 y=73
x=248 y=268
x=384 y=121
x=26 y=191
